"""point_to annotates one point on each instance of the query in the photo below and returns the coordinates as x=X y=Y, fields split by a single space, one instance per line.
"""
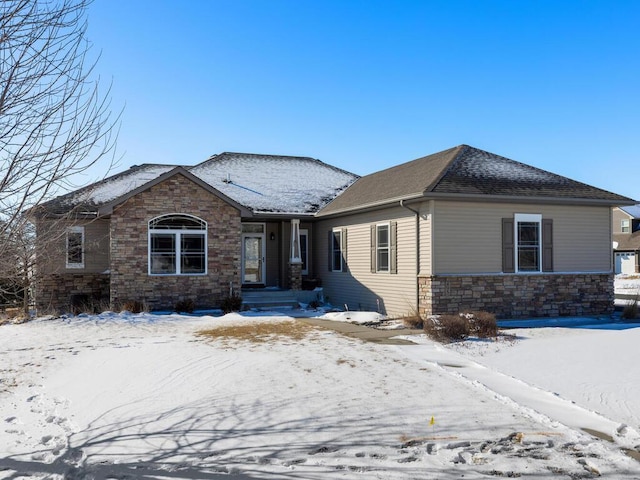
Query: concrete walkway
x=362 y=332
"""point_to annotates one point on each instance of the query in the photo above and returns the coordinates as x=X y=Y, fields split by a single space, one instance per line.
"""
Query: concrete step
x=266 y=298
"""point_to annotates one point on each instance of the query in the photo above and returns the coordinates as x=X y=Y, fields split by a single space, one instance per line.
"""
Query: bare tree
x=55 y=122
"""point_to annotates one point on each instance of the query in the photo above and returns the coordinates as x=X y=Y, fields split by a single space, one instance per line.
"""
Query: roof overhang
x=418 y=198
x=107 y=208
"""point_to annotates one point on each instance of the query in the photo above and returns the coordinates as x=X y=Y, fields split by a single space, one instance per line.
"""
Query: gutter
x=417 y=216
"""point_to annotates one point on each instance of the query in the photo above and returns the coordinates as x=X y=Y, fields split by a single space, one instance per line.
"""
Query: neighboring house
x=626 y=239
x=458 y=230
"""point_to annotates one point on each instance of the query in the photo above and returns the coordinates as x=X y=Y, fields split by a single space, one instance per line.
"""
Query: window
x=624 y=226
x=383 y=248
x=75 y=247
x=177 y=245
x=527 y=243
x=336 y=242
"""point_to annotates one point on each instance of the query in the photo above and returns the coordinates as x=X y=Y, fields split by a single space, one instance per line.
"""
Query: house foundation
x=518 y=296
x=72 y=292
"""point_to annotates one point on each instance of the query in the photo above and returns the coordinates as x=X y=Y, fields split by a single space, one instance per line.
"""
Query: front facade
x=459 y=230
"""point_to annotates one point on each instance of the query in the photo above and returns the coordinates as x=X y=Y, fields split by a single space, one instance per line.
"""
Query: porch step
x=267 y=298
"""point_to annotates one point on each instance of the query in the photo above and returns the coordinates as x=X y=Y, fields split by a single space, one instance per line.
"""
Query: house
x=160 y=234
x=626 y=239
x=461 y=229
x=465 y=229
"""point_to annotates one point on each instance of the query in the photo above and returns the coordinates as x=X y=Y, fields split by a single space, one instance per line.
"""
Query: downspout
x=417 y=214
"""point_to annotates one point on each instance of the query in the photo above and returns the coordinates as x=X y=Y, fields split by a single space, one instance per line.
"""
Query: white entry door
x=253 y=258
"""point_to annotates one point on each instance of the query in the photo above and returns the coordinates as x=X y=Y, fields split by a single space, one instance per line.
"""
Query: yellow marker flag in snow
x=432 y=422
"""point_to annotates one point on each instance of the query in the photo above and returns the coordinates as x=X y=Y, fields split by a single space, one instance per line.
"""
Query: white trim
x=177 y=233
x=387 y=248
x=79 y=230
x=532 y=218
x=263 y=262
x=333 y=269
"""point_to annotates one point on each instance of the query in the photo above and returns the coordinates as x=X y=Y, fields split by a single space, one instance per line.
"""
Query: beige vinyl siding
x=357 y=287
x=51 y=253
x=618 y=216
x=467 y=236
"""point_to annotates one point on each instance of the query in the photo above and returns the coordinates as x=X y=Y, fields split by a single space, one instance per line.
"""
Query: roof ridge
x=460 y=150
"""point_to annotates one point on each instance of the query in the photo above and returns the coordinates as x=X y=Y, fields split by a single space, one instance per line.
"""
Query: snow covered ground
x=121 y=396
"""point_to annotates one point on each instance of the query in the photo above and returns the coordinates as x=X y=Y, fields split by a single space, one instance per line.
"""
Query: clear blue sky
x=365 y=85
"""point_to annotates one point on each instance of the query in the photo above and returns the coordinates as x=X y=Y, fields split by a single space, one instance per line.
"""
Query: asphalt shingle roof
x=262 y=183
x=466 y=171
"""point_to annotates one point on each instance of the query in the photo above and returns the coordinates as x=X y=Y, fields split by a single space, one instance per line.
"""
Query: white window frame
x=340 y=249
x=75 y=230
x=527 y=218
x=625 y=226
x=380 y=249
x=177 y=233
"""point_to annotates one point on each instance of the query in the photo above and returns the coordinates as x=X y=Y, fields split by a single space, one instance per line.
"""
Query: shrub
x=232 y=303
x=185 y=306
x=454 y=327
x=413 y=319
x=133 y=306
x=483 y=324
x=630 y=310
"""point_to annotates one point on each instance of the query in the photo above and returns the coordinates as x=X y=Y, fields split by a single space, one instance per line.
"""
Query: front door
x=253 y=258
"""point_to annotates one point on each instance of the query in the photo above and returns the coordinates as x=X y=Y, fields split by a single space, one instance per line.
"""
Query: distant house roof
x=464 y=171
x=632 y=210
x=626 y=241
x=264 y=184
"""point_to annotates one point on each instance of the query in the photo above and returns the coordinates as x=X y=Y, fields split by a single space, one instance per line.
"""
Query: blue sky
x=365 y=85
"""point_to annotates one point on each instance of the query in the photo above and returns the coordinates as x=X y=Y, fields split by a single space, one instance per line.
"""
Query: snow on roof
x=274 y=184
x=115 y=186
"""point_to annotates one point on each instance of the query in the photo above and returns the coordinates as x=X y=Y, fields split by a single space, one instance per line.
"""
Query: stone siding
x=295 y=276
x=130 y=280
x=518 y=296
x=72 y=292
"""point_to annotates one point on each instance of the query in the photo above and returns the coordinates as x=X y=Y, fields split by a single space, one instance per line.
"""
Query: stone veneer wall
x=61 y=292
x=129 y=247
x=518 y=296
x=295 y=276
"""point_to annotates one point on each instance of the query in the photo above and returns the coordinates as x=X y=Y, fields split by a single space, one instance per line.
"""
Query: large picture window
x=75 y=247
x=177 y=245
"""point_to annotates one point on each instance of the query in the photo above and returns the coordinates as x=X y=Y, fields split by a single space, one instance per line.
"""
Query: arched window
x=177 y=245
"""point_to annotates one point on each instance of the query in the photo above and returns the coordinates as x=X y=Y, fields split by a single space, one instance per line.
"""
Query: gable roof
x=632 y=210
x=466 y=172
x=258 y=184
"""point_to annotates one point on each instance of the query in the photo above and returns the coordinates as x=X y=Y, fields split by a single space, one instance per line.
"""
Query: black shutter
x=547 y=245
x=508 y=247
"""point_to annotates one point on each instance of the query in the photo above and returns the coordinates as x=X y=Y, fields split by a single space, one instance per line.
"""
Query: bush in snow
x=133 y=306
x=453 y=328
x=232 y=303
x=185 y=306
